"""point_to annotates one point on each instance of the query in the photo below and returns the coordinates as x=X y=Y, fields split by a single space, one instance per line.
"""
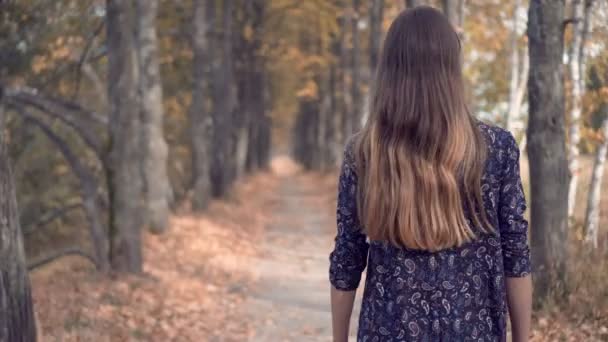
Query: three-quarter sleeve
x=349 y=257
x=511 y=207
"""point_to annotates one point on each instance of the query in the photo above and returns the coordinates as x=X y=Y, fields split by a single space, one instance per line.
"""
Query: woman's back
x=456 y=294
x=430 y=199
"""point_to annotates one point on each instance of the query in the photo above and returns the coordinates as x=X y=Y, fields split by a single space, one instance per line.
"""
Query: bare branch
x=59 y=254
x=52 y=216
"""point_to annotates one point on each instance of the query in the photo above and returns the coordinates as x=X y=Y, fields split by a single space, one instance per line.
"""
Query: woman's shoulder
x=497 y=137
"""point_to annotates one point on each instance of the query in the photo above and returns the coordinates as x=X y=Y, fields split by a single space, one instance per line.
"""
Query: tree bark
x=413 y=3
x=546 y=144
x=124 y=167
x=17 y=322
x=454 y=10
x=224 y=94
x=518 y=73
x=158 y=191
x=580 y=27
x=358 y=109
x=376 y=16
x=592 y=217
x=201 y=121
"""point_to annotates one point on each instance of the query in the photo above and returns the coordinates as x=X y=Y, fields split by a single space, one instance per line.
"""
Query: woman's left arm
x=349 y=257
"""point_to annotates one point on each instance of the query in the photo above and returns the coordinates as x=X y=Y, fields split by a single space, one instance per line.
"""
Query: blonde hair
x=420 y=157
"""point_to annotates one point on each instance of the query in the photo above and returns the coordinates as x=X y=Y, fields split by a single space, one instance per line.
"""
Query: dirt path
x=290 y=301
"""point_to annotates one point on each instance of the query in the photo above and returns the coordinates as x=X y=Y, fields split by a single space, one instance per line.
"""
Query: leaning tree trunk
x=17 y=323
x=577 y=76
x=124 y=164
x=546 y=144
x=158 y=192
x=592 y=217
x=201 y=122
x=224 y=95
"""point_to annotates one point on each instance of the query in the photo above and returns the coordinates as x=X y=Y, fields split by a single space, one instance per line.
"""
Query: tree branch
x=52 y=216
x=59 y=254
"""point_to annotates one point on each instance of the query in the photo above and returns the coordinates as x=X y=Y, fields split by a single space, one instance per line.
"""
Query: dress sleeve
x=349 y=257
x=513 y=225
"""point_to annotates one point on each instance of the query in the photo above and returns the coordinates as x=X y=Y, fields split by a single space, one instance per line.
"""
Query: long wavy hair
x=420 y=157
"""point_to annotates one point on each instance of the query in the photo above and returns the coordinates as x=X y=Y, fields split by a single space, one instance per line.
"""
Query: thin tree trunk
x=201 y=121
x=580 y=27
x=592 y=217
x=348 y=108
x=546 y=144
x=356 y=69
x=124 y=167
x=158 y=191
x=454 y=10
x=376 y=16
x=413 y=3
x=17 y=322
x=520 y=68
x=225 y=128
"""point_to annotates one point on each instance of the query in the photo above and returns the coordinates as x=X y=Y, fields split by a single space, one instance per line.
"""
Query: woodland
x=144 y=145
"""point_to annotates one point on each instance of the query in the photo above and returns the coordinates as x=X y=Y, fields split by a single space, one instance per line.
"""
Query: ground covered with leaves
x=195 y=277
x=198 y=275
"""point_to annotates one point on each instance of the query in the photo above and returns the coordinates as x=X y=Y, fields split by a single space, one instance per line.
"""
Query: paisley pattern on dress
x=457 y=294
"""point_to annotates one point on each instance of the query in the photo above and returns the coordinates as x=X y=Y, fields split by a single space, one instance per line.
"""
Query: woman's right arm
x=514 y=240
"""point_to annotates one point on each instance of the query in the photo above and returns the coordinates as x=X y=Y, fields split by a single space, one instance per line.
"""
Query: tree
x=376 y=17
x=17 y=323
x=201 y=122
x=454 y=10
x=580 y=29
x=592 y=215
x=413 y=3
x=546 y=144
x=518 y=72
x=223 y=169
x=356 y=70
x=158 y=193
x=125 y=156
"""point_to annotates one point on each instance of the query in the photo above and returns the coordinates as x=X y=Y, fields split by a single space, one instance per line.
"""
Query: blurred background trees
x=116 y=112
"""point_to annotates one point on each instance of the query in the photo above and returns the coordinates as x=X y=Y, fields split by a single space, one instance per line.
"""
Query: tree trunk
x=347 y=121
x=126 y=148
x=158 y=191
x=223 y=170
x=356 y=70
x=592 y=217
x=546 y=144
x=454 y=10
x=518 y=74
x=413 y=3
x=201 y=121
x=17 y=322
x=577 y=76
x=376 y=16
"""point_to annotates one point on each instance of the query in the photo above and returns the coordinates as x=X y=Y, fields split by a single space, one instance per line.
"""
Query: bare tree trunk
x=223 y=170
x=454 y=10
x=17 y=322
x=201 y=121
x=158 y=191
x=546 y=144
x=376 y=16
x=356 y=70
x=592 y=217
x=413 y=3
x=124 y=167
x=347 y=103
x=577 y=76
x=516 y=82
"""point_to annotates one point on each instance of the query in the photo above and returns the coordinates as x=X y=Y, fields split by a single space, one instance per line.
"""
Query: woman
x=431 y=201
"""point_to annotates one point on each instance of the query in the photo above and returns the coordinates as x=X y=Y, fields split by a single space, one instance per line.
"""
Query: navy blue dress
x=457 y=294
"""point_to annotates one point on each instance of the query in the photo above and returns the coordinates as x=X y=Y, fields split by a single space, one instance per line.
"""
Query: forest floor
x=253 y=268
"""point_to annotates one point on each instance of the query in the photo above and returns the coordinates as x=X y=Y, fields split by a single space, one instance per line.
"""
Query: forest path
x=290 y=300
